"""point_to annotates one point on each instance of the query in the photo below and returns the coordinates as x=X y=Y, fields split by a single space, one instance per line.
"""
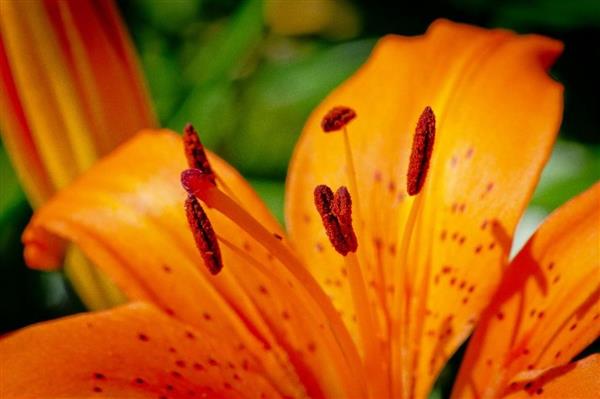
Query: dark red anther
x=204 y=235
x=342 y=208
x=194 y=152
x=337 y=118
x=420 y=155
x=336 y=214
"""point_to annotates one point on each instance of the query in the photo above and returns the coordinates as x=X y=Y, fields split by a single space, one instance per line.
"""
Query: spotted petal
x=547 y=307
x=578 y=380
x=134 y=351
x=126 y=214
x=497 y=115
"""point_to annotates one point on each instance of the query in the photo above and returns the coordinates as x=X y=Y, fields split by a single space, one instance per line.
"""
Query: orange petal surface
x=126 y=214
x=546 y=309
x=497 y=113
x=577 y=380
x=134 y=351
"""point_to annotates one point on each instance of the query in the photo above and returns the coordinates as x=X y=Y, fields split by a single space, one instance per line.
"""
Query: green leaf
x=272 y=193
x=277 y=101
x=168 y=16
x=12 y=194
x=163 y=72
x=211 y=108
x=219 y=57
x=572 y=169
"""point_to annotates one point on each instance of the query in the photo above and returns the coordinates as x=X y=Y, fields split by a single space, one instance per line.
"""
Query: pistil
x=337 y=119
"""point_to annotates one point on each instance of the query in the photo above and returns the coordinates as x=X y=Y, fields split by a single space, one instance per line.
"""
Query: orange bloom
x=288 y=315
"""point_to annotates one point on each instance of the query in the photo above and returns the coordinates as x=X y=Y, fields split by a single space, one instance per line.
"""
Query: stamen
x=337 y=118
x=421 y=152
x=196 y=184
x=405 y=321
x=204 y=235
x=342 y=208
x=336 y=213
x=339 y=230
x=195 y=154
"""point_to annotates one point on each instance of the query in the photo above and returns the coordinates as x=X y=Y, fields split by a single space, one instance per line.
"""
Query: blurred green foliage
x=249 y=90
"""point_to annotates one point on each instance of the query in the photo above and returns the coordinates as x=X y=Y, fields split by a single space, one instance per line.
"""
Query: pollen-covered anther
x=342 y=208
x=337 y=118
x=195 y=181
x=195 y=154
x=204 y=235
x=336 y=213
x=422 y=149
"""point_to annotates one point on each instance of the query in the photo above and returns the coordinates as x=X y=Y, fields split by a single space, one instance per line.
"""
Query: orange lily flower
x=70 y=92
x=368 y=308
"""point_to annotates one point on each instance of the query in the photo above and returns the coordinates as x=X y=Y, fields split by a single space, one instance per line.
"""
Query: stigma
x=195 y=181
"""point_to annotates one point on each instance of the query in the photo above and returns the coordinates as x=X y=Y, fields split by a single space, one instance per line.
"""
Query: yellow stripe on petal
x=95 y=289
x=32 y=82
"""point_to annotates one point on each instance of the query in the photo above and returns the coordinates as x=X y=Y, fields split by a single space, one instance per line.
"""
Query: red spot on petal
x=197 y=366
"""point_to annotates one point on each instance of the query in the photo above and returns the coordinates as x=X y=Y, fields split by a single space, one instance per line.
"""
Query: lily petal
x=134 y=351
x=497 y=116
x=577 y=380
x=126 y=214
x=68 y=72
x=547 y=307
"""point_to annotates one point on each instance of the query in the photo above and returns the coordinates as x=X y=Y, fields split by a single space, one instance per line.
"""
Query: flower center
x=335 y=210
x=375 y=361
